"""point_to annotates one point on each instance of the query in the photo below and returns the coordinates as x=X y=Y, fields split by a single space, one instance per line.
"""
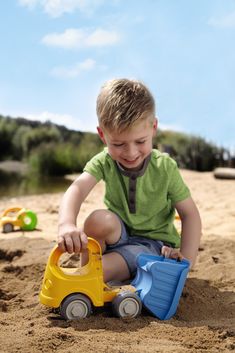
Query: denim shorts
x=130 y=246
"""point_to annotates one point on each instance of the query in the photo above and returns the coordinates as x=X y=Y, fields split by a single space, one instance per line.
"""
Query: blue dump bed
x=159 y=282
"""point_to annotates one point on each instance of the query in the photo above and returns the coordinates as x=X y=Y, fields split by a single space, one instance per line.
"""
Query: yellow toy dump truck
x=75 y=291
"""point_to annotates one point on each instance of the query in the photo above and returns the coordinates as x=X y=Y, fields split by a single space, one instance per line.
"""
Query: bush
x=190 y=152
x=45 y=161
x=60 y=159
x=6 y=133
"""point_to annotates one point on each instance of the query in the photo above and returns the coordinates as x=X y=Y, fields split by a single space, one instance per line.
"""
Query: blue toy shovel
x=159 y=282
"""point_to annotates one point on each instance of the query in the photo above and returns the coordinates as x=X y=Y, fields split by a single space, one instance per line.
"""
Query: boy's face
x=131 y=146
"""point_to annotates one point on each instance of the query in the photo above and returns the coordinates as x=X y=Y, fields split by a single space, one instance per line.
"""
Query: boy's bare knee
x=103 y=224
x=98 y=221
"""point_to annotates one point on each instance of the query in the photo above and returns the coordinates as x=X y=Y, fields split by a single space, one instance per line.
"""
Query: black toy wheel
x=127 y=304
x=75 y=306
x=8 y=228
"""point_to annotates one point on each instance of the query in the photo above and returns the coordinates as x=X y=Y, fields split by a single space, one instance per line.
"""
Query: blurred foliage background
x=53 y=150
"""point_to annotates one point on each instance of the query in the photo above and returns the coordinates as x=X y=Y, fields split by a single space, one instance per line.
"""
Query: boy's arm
x=191 y=229
x=70 y=238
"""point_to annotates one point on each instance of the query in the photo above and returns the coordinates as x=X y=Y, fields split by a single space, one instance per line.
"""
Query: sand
x=205 y=318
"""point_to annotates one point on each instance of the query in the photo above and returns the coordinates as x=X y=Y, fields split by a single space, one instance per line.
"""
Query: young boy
x=143 y=189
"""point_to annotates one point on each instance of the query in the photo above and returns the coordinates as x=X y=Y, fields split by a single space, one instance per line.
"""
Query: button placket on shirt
x=131 y=198
x=132 y=193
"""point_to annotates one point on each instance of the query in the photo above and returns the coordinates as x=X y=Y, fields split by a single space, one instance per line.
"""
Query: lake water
x=12 y=185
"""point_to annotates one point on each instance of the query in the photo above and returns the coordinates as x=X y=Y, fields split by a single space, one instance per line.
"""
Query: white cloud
x=227 y=21
x=171 y=127
x=71 y=122
x=61 y=119
x=75 y=70
x=69 y=39
x=79 y=38
x=56 y=8
x=101 y=37
x=28 y=3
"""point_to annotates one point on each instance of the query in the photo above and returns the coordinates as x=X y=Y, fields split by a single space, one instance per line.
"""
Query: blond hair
x=123 y=102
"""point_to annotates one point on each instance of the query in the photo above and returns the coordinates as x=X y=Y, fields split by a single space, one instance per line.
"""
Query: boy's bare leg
x=115 y=267
x=105 y=227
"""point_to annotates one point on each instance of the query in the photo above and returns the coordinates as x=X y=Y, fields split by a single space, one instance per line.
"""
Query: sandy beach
x=205 y=318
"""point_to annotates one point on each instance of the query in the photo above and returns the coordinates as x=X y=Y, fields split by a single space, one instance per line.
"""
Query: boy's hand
x=71 y=239
x=171 y=253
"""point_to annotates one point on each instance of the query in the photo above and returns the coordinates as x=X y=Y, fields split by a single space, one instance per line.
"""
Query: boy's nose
x=131 y=151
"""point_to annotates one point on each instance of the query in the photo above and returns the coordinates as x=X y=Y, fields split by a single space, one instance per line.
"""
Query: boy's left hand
x=171 y=253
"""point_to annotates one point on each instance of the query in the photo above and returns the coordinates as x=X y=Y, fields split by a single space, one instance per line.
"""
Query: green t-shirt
x=145 y=199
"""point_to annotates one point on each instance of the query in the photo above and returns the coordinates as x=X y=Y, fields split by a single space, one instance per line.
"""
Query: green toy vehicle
x=18 y=217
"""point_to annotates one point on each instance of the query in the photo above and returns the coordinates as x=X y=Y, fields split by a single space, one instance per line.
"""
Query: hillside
x=53 y=149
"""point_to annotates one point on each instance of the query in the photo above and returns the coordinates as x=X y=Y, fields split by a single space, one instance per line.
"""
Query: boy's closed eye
x=140 y=142
x=118 y=144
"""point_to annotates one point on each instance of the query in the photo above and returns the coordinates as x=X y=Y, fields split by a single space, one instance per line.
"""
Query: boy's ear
x=101 y=134
x=155 y=125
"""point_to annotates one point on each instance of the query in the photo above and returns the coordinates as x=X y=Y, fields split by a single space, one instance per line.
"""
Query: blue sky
x=55 y=55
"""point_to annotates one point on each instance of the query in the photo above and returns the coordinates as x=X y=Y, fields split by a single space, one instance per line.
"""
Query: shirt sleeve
x=95 y=167
x=178 y=190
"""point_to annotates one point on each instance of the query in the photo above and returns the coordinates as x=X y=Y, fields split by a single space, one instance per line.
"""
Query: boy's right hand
x=71 y=239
